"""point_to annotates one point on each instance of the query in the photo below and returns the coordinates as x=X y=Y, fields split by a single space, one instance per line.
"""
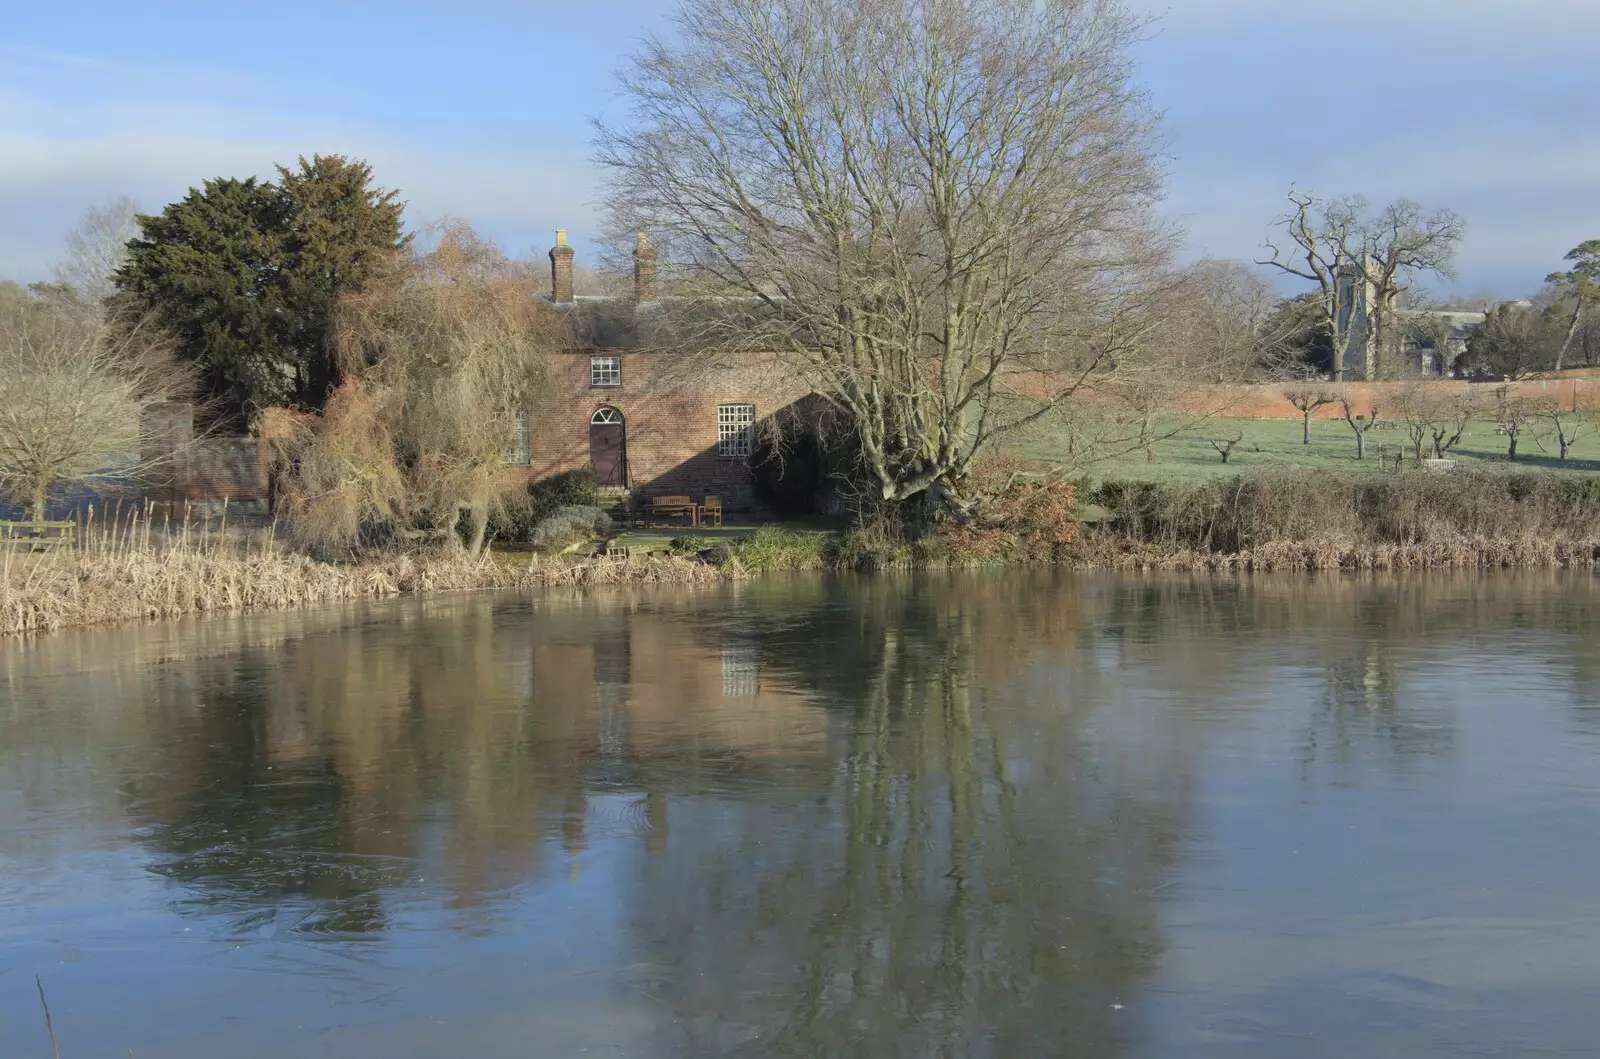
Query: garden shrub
x=569 y=525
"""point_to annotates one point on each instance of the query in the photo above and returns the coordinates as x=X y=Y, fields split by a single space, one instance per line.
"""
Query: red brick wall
x=1266 y=401
x=669 y=402
x=226 y=469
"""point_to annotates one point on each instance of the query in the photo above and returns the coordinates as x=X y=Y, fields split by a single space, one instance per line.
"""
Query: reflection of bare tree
x=977 y=877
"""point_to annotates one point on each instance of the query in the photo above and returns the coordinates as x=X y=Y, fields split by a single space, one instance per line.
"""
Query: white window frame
x=605 y=372
x=521 y=452
x=736 y=425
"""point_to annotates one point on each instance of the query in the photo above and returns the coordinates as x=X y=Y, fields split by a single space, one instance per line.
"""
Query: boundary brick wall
x=1266 y=400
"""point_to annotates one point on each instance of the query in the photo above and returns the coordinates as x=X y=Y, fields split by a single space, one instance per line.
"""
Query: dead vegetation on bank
x=1328 y=521
x=132 y=571
x=49 y=591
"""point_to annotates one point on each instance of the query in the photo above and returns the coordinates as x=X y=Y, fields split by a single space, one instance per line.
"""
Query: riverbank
x=1262 y=523
x=46 y=592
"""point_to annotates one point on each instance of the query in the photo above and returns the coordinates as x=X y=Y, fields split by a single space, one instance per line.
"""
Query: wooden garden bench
x=666 y=507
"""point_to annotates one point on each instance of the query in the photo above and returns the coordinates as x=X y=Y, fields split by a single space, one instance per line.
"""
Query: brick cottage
x=647 y=411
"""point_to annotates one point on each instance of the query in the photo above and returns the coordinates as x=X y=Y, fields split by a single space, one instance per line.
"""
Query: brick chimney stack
x=644 y=270
x=561 y=268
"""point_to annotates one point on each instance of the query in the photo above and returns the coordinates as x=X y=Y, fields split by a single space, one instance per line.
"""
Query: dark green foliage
x=1305 y=336
x=690 y=546
x=1513 y=341
x=245 y=275
x=567 y=489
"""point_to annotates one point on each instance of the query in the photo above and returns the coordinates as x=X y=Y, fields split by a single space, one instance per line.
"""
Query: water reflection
x=798 y=817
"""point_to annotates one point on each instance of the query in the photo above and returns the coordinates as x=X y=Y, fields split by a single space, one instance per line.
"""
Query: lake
x=988 y=815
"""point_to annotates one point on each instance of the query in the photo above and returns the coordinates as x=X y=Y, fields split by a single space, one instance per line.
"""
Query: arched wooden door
x=608 y=446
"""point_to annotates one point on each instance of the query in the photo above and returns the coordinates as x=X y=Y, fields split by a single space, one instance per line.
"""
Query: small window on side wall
x=605 y=371
x=521 y=451
x=735 y=424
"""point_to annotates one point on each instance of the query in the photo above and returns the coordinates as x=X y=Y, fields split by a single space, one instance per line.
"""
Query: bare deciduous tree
x=1225 y=445
x=96 y=249
x=1435 y=418
x=1517 y=413
x=1335 y=243
x=941 y=211
x=74 y=391
x=1226 y=327
x=1398 y=244
x=1308 y=399
x=1567 y=424
x=1324 y=238
x=1359 y=423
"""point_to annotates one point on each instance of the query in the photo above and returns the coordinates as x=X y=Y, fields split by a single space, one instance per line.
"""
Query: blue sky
x=478 y=108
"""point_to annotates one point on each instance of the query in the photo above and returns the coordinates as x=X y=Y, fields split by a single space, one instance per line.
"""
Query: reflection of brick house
x=645 y=409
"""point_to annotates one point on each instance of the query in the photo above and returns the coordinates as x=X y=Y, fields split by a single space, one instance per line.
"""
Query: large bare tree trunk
x=1572 y=331
x=941 y=212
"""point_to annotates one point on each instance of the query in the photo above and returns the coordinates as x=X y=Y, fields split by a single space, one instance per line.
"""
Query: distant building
x=1425 y=344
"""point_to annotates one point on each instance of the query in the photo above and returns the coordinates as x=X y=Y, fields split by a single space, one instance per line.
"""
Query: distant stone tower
x=1355 y=349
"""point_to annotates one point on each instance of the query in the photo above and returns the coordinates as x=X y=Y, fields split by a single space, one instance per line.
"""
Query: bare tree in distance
x=74 y=393
x=1359 y=423
x=942 y=212
x=1399 y=243
x=96 y=249
x=1517 y=413
x=1324 y=238
x=1225 y=445
x=1333 y=241
x=1226 y=329
x=1435 y=417
x=1308 y=399
x=1568 y=423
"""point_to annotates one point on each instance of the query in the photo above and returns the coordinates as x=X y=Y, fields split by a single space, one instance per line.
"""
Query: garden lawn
x=1274 y=444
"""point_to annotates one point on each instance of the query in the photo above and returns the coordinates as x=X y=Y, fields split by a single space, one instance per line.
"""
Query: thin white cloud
x=57 y=158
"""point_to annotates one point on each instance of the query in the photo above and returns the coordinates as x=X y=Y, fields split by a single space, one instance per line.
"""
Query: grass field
x=1276 y=443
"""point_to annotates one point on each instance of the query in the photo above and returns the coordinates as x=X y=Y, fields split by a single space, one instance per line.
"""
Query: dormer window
x=605 y=371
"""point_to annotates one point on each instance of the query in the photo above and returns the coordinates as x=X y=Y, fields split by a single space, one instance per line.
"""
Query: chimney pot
x=561 y=268
x=644 y=270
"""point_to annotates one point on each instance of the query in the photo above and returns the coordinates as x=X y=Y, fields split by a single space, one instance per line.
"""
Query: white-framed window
x=741 y=670
x=521 y=451
x=735 y=424
x=605 y=371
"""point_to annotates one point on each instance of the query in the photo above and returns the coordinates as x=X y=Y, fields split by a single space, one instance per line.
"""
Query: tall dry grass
x=136 y=567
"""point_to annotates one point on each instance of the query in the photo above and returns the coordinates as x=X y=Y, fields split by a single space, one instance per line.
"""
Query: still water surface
x=979 y=816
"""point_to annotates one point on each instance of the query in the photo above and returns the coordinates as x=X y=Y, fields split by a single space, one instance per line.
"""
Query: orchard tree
x=942 y=211
x=245 y=274
x=1308 y=400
